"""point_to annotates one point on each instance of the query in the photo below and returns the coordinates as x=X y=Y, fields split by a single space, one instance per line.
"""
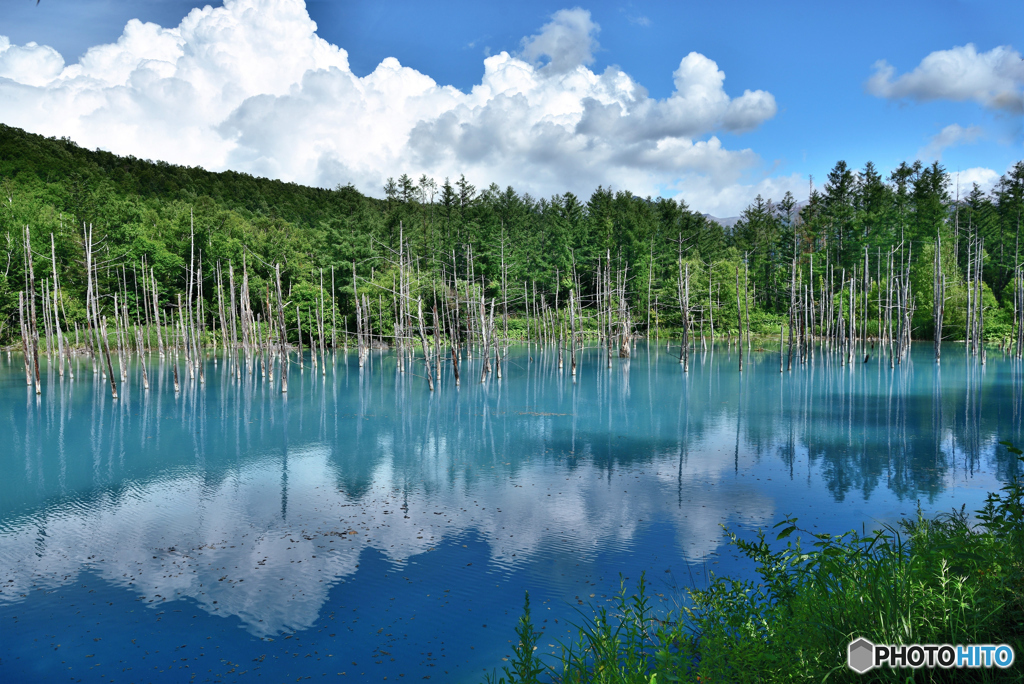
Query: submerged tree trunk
x=739 y=319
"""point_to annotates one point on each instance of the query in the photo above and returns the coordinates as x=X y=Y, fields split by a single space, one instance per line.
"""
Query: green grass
x=945 y=579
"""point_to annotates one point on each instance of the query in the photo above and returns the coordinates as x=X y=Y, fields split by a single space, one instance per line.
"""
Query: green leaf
x=786 y=532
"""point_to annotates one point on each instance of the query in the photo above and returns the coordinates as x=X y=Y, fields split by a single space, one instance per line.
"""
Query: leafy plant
x=526 y=667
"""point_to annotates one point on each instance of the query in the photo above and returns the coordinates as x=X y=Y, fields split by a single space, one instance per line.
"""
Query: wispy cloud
x=567 y=41
x=951 y=135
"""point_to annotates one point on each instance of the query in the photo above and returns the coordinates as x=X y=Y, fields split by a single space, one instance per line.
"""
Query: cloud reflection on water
x=255 y=506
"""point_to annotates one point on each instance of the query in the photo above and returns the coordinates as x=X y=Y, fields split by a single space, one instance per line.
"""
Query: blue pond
x=362 y=528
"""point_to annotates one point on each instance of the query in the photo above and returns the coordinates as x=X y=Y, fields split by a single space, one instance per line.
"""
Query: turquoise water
x=364 y=525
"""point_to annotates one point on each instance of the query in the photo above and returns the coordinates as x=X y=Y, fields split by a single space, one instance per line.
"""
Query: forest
x=146 y=227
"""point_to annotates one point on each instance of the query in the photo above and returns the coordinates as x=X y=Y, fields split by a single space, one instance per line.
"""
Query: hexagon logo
x=861 y=655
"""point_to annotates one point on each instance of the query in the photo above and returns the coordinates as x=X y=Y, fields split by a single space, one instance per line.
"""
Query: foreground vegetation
x=946 y=579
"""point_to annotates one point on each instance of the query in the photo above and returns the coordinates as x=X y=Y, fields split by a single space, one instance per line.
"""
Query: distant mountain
x=724 y=222
x=731 y=221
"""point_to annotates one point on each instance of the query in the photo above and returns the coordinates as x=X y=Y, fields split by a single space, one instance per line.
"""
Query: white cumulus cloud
x=251 y=86
x=962 y=181
x=727 y=200
x=31 y=64
x=993 y=79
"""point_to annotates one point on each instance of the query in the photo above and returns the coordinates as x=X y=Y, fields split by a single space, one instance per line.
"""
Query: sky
x=709 y=103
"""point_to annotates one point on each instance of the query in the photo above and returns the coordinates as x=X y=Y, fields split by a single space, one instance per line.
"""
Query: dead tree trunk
x=423 y=339
x=739 y=318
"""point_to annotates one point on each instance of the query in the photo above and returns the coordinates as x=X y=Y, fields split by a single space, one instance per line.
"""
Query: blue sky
x=808 y=66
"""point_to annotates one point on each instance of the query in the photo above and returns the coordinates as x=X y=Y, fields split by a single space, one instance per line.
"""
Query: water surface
x=363 y=525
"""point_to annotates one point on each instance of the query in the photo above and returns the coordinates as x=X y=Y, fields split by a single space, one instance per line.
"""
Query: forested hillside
x=151 y=215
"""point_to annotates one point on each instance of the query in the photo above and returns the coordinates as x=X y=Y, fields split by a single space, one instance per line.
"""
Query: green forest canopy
x=144 y=212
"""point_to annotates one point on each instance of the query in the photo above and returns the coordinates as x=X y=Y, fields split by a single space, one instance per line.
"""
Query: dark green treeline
x=145 y=215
